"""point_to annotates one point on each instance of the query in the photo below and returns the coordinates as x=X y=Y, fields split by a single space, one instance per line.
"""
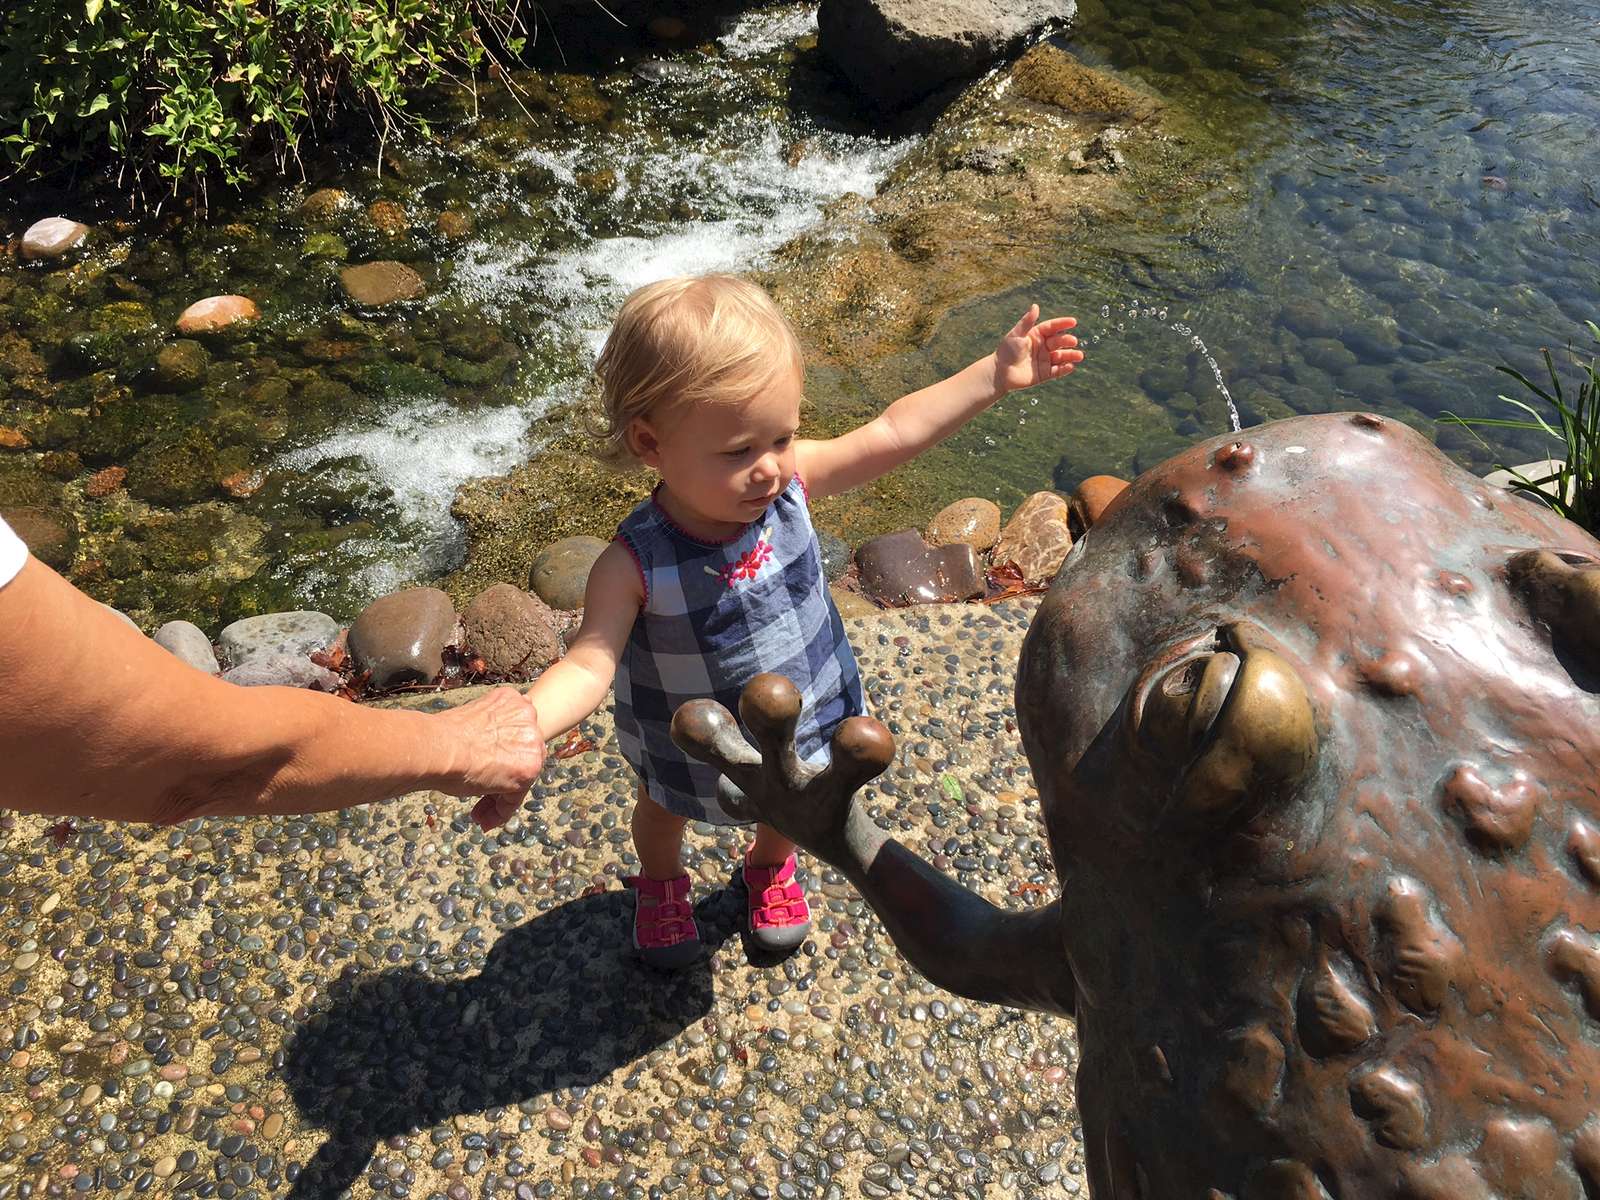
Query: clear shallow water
x=1406 y=197
x=1410 y=200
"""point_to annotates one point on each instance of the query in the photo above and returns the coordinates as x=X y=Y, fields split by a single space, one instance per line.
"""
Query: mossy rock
x=177 y=469
x=114 y=434
x=1049 y=75
x=125 y=317
x=392 y=380
x=328 y=247
x=563 y=493
x=38 y=309
x=48 y=533
x=181 y=365
x=23 y=485
x=472 y=374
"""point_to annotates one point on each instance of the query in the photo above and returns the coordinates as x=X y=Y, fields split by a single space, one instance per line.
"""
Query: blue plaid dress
x=715 y=614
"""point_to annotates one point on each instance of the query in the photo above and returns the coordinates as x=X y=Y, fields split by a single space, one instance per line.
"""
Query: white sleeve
x=12 y=554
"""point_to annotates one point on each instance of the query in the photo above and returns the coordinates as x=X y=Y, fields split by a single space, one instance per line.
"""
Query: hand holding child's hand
x=1035 y=351
x=500 y=748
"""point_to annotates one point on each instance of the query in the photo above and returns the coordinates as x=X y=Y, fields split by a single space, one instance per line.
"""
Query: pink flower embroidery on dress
x=749 y=564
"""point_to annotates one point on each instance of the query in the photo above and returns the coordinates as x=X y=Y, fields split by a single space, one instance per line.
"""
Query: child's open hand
x=1035 y=351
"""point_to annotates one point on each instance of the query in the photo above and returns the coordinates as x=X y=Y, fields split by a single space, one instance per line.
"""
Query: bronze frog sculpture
x=1315 y=721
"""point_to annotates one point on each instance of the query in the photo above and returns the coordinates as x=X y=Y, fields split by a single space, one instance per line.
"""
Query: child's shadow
x=561 y=1002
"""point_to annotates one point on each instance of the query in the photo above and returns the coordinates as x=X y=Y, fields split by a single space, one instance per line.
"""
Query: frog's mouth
x=1226 y=718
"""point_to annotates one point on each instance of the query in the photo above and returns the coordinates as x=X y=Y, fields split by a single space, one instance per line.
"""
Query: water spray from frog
x=1134 y=312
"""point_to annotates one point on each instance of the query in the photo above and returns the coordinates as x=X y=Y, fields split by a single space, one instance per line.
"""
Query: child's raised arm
x=576 y=685
x=1032 y=352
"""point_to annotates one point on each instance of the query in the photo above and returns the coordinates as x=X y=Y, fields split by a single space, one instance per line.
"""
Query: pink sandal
x=664 y=932
x=779 y=917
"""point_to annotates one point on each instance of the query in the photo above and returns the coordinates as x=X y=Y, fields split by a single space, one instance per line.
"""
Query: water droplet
x=1105 y=310
x=1162 y=315
x=1120 y=326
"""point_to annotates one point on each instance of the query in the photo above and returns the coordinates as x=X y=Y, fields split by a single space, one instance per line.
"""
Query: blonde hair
x=694 y=339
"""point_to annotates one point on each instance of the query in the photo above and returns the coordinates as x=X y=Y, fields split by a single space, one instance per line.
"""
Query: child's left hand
x=1035 y=351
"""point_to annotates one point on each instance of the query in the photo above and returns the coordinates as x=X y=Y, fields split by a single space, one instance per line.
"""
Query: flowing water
x=1411 y=200
x=1404 y=199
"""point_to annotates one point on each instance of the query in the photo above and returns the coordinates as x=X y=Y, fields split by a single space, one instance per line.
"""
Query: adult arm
x=97 y=720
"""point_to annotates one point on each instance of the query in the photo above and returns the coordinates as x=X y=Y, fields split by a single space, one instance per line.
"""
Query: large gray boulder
x=896 y=51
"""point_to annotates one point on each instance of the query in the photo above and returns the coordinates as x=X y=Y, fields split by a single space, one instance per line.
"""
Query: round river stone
x=561 y=571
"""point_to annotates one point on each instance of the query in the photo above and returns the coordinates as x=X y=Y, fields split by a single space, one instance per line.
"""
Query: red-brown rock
x=1090 y=499
x=217 y=312
x=376 y=284
x=515 y=634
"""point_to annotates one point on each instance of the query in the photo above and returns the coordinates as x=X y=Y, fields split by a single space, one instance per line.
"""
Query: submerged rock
x=376 y=284
x=52 y=237
x=400 y=638
x=178 y=469
x=895 y=51
x=324 y=205
x=181 y=365
x=47 y=534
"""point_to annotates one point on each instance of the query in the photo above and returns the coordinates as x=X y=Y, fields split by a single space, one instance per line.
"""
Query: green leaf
x=99 y=104
x=91 y=8
x=951 y=789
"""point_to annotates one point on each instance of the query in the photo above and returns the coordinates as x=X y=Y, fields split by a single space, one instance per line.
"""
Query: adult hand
x=499 y=752
x=1035 y=351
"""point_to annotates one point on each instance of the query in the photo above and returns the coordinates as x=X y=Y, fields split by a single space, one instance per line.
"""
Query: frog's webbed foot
x=810 y=805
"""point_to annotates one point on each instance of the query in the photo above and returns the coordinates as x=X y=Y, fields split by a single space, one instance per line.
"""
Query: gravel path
x=386 y=1001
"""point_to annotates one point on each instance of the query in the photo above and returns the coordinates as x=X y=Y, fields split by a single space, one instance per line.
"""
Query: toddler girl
x=718 y=577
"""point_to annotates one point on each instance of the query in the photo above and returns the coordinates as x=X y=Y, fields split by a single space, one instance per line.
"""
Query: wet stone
x=52 y=238
x=900 y=568
x=188 y=643
x=400 y=638
x=216 y=313
x=560 y=572
x=289 y=634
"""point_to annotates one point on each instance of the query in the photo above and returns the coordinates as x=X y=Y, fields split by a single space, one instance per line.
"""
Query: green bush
x=176 y=92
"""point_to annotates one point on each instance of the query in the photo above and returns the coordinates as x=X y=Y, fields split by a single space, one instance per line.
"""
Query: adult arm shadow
x=560 y=1003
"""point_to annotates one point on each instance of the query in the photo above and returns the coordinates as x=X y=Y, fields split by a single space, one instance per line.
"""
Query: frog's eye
x=1562 y=589
x=1228 y=720
x=1180 y=709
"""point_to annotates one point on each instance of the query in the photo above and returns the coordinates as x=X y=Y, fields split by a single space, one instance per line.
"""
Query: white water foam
x=759 y=33
x=423 y=451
